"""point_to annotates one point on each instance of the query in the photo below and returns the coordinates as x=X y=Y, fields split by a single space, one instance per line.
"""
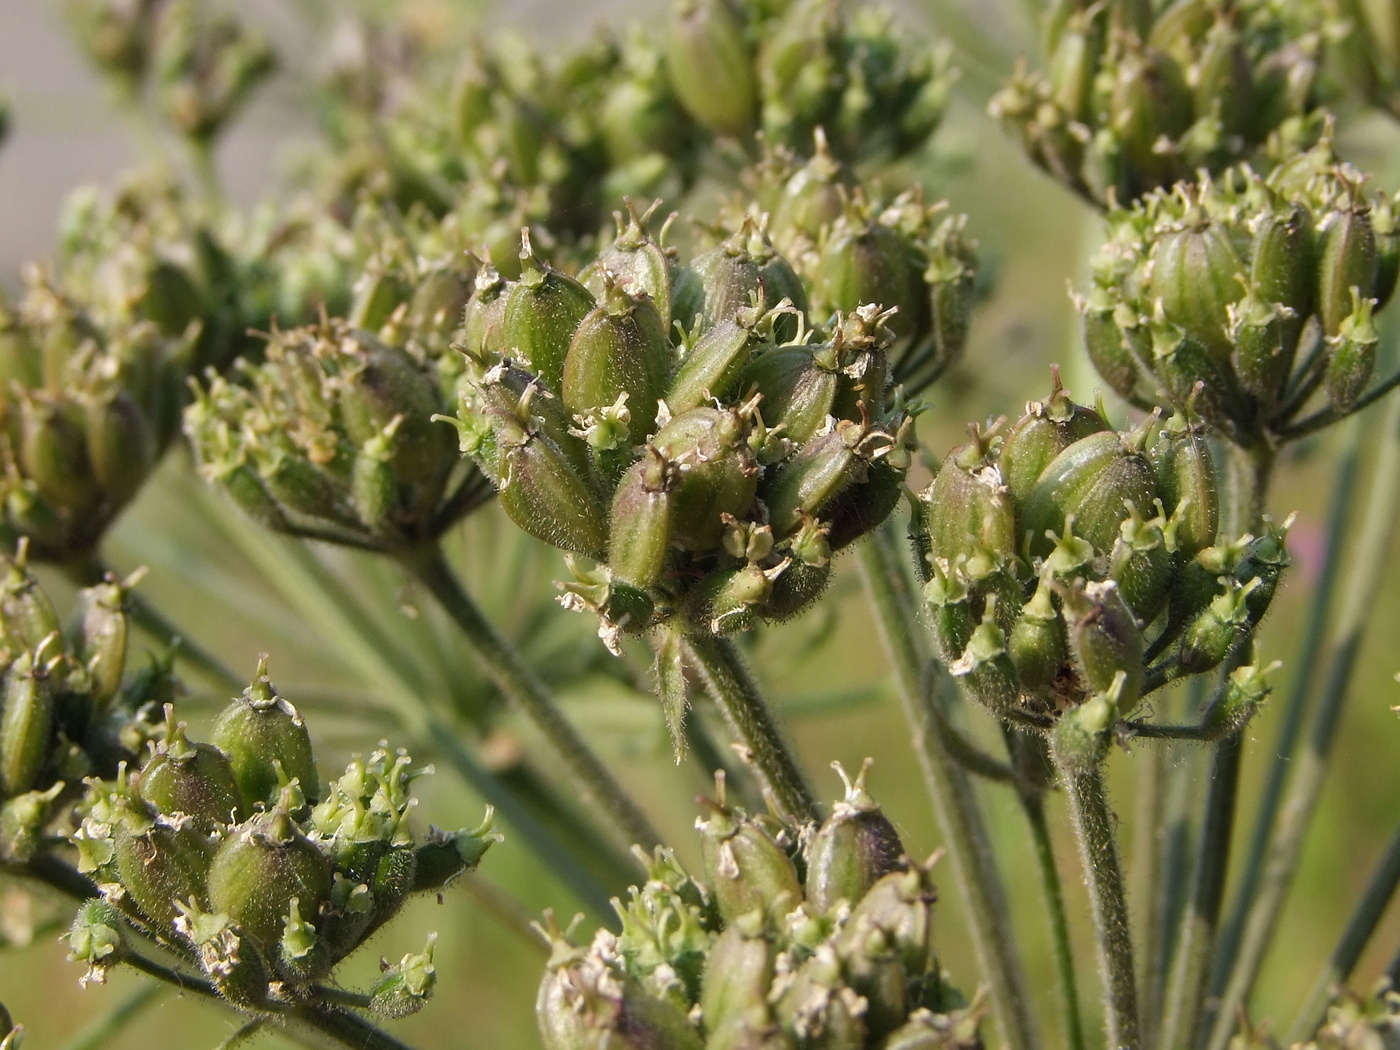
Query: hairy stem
x=523 y=688
x=1098 y=853
x=1286 y=843
x=728 y=682
x=1355 y=937
x=951 y=789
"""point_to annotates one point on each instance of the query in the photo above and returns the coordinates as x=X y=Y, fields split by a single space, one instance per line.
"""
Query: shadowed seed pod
x=1121 y=106
x=712 y=469
x=748 y=959
x=1249 y=298
x=332 y=436
x=268 y=897
x=1070 y=561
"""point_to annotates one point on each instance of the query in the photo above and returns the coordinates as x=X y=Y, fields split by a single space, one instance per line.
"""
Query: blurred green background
x=826 y=671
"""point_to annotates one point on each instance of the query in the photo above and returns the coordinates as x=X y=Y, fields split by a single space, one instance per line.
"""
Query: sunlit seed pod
x=1091 y=480
x=300 y=486
x=969 y=508
x=795 y=589
x=738 y=972
x=638 y=262
x=1046 y=430
x=619 y=347
x=747 y=870
x=543 y=309
x=160 y=864
x=1211 y=636
x=1195 y=274
x=806 y=483
x=1036 y=644
x=813 y=196
x=27 y=717
x=266 y=743
x=711 y=65
x=719 y=474
x=730 y=281
x=639 y=536
x=900 y=905
x=505 y=391
x=1193 y=374
x=1284 y=264
x=53 y=452
x=712 y=366
x=1266 y=338
x=257 y=871
x=183 y=777
x=798 y=391
x=403 y=988
x=101 y=639
x=853 y=849
x=1351 y=358
x=1106 y=641
x=984 y=666
x=864 y=261
x=373 y=488
x=545 y=495
x=1346 y=260
x=483 y=317
x=1081 y=735
x=1262 y=563
x=1141 y=563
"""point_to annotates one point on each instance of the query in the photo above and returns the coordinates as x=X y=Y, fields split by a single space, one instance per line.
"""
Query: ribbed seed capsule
x=1265 y=335
x=640 y=532
x=1047 y=429
x=1036 y=644
x=192 y=779
x=483 y=318
x=1196 y=274
x=1352 y=356
x=101 y=641
x=260 y=868
x=620 y=347
x=868 y=262
x=853 y=849
x=1187 y=485
x=1284 y=265
x=639 y=263
x=27 y=712
x=1105 y=641
x=712 y=366
x=1223 y=624
x=543 y=492
x=719 y=475
x=798 y=388
x=747 y=870
x=731 y=600
x=820 y=1006
x=738 y=973
x=53 y=452
x=266 y=743
x=970 y=512
x=121 y=445
x=542 y=311
x=27 y=616
x=160 y=864
x=900 y=905
x=1148 y=99
x=804 y=484
x=1090 y=480
x=711 y=65
x=1346 y=261
x=1106 y=344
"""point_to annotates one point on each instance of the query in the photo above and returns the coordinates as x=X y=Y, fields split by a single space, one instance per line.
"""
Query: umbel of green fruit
x=220 y=852
x=757 y=955
x=331 y=436
x=1253 y=296
x=1069 y=561
x=712 y=466
x=1128 y=101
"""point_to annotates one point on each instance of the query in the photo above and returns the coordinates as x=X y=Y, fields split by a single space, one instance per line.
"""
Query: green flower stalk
x=1250 y=296
x=1128 y=101
x=747 y=958
x=260 y=889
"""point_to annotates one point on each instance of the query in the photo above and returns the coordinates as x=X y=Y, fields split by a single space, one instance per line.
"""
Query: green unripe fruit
x=712 y=367
x=542 y=311
x=188 y=778
x=102 y=637
x=860 y=509
x=96 y=935
x=731 y=600
x=121 y=445
x=27 y=713
x=1346 y=261
x=805 y=484
x=1036 y=645
x=1107 y=345
x=854 y=848
x=798 y=391
x=1047 y=429
x=1266 y=338
x=970 y=512
x=620 y=347
x=738 y=973
x=544 y=493
x=259 y=869
x=266 y=743
x=711 y=65
x=1221 y=626
x=1196 y=274
x=899 y=905
x=483 y=318
x=640 y=264
x=869 y=262
x=53 y=453
x=640 y=531
x=1106 y=642
x=746 y=869
x=819 y=1003
x=1148 y=99
x=1284 y=265
x=1352 y=355
x=1091 y=480
x=27 y=615
x=160 y=864
x=719 y=475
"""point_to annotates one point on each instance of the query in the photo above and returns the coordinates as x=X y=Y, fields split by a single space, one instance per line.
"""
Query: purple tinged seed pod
x=854 y=847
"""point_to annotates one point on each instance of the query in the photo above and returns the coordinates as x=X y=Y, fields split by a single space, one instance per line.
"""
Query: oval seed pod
x=639 y=537
x=483 y=318
x=1352 y=355
x=27 y=615
x=746 y=869
x=738 y=973
x=900 y=905
x=193 y=779
x=1266 y=338
x=1284 y=265
x=1346 y=261
x=969 y=509
x=1090 y=480
x=1148 y=98
x=121 y=445
x=1107 y=346
x=1187 y=485
x=542 y=491
x=620 y=347
x=719 y=475
x=639 y=263
x=854 y=848
x=730 y=281
x=1195 y=275
x=1106 y=642
x=798 y=390
x=1036 y=645
x=26 y=724
x=260 y=868
x=864 y=261
x=1047 y=429
x=819 y=1002
x=1219 y=628
x=160 y=864
x=711 y=65
x=101 y=641
x=53 y=452
x=542 y=311
x=731 y=600
x=860 y=509
x=712 y=367
x=260 y=732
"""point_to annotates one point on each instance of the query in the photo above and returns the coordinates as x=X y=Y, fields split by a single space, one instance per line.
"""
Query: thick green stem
x=1310 y=769
x=1098 y=852
x=522 y=686
x=951 y=789
x=1308 y=649
x=1353 y=942
x=730 y=685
